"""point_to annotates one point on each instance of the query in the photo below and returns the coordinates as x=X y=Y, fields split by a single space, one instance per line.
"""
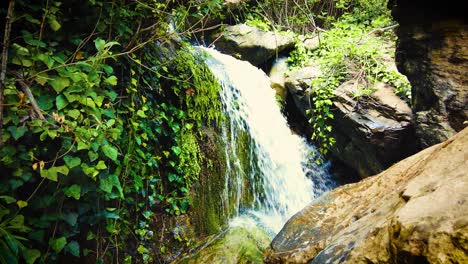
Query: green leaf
x=141 y=113
x=63 y=169
x=106 y=184
x=31 y=255
x=50 y=174
x=110 y=152
x=83 y=145
x=61 y=102
x=21 y=203
x=54 y=24
x=7 y=199
x=112 y=80
x=17 y=132
x=101 y=165
x=177 y=150
x=99 y=44
x=92 y=156
x=58 y=244
x=74 y=113
x=73 y=191
x=71 y=218
x=90 y=171
x=88 y=101
x=172 y=177
x=74 y=248
x=59 y=83
x=72 y=161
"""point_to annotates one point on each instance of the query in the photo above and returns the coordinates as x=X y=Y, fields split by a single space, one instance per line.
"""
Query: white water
x=282 y=177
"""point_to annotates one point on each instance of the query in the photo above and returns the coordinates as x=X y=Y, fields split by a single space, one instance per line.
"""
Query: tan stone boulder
x=414 y=212
x=251 y=44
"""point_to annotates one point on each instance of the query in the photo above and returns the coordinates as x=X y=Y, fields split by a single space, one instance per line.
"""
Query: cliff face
x=432 y=52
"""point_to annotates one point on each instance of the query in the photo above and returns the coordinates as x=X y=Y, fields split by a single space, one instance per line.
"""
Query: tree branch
x=6 y=43
x=29 y=95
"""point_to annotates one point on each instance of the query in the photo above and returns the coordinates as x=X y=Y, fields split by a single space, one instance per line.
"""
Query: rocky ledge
x=414 y=212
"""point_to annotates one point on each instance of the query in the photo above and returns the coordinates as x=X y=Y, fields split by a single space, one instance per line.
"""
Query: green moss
x=237 y=245
x=208 y=213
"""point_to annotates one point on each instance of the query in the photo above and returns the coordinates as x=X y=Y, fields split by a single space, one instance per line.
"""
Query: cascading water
x=271 y=173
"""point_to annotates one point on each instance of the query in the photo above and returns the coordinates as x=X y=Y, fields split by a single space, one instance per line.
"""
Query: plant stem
x=6 y=43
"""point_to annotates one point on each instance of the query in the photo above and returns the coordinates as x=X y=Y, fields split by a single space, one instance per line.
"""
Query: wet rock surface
x=414 y=212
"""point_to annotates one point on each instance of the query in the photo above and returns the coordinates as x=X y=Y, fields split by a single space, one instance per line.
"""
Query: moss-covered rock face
x=215 y=195
x=208 y=213
x=241 y=243
x=414 y=212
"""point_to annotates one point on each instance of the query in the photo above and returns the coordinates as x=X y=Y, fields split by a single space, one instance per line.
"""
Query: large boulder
x=298 y=82
x=377 y=128
x=251 y=44
x=432 y=52
x=414 y=212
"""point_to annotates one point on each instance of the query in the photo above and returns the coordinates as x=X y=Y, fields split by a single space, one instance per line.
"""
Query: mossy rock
x=238 y=244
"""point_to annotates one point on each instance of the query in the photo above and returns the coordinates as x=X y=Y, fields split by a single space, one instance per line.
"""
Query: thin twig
x=29 y=95
x=6 y=43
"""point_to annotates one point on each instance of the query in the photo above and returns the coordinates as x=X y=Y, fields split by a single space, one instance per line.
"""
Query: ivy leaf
x=112 y=80
x=92 y=156
x=21 y=203
x=50 y=174
x=99 y=44
x=106 y=184
x=73 y=191
x=83 y=145
x=72 y=161
x=90 y=171
x=61 y=102
x=31 y=255
x=74 y=113
x=172 y=177
x=110 y=152
x=63 y=169
x=74 y=248
x=54 y=24
x=71 y=218
x=101 y=165
x=59 y=83
x=141 y=113
x=17 y=132
x=177 y=150
x=58 y=244
x=7 y=199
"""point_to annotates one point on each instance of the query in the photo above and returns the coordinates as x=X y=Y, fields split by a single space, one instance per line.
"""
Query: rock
x=277 y=77
x=376 y=128
x=250 y=43
x=414 y=212
x=241 y=243
x=432 y=52
x=298 y=84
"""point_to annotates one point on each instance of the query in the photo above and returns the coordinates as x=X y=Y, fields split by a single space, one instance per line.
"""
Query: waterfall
x=271 y=173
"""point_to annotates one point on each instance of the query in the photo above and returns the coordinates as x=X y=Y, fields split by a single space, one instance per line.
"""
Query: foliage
x=118 y=148
x=305 y=16
x=350 y=50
